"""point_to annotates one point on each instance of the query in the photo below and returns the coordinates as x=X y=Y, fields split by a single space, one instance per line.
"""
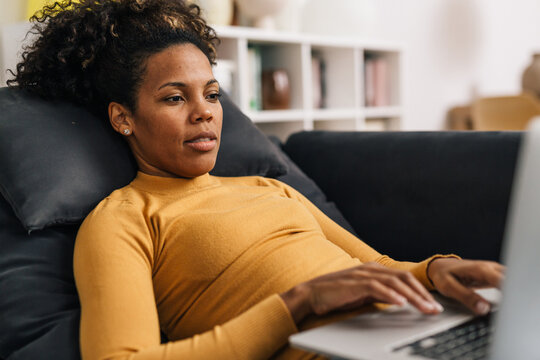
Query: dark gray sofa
x=407 y=194
x=412 y=194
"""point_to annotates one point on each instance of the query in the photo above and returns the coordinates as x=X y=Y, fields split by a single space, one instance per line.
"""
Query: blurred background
x=451 y=53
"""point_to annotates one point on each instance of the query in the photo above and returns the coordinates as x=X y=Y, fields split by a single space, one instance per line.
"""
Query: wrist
x=435 y=265
x=297 y=301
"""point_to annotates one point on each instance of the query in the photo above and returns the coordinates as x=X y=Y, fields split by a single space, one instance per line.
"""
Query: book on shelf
x=255 y=75
x=318 y=81
x=377 y=81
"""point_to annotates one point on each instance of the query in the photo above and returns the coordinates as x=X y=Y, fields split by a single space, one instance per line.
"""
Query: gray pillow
x=58 y=161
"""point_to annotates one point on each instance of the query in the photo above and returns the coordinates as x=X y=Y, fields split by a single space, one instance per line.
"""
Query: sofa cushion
x=413 y=194
x=296 y=178
x=39 y=307
x=58 y=161
x=244 y=149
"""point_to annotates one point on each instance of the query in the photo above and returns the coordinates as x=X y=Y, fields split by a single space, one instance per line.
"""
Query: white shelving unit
x=344 y=77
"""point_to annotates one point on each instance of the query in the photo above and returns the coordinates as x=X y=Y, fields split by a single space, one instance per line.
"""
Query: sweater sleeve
x=113 y=262
x=358 y=248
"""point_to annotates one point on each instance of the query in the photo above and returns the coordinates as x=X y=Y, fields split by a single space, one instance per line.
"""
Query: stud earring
x=126 y=131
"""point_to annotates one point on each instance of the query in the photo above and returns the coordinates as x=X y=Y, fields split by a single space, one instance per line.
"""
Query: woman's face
x=176 y=127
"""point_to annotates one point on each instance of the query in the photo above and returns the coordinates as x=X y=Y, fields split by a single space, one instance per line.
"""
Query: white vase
x=216 y=12
x=290 y=18
x=262 y=12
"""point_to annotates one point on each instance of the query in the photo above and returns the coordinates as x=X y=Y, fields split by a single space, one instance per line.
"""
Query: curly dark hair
x=92 y=52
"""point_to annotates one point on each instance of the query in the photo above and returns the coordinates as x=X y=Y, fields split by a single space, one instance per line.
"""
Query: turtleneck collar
x=168 y=185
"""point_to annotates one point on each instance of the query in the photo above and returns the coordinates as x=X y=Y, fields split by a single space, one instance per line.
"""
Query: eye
x=214 y=96
x=175 y=98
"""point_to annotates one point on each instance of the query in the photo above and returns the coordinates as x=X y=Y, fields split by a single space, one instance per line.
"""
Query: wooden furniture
x=459 y=118
x=504 y=112
x=346 y=62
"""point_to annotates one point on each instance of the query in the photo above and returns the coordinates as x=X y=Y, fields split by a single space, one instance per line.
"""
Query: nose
x=201 y=111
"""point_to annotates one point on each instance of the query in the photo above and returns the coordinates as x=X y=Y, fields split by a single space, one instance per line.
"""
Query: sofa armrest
x=413 y=194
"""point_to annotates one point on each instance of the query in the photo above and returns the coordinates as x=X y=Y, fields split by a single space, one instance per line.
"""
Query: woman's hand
x=348 y=289
x=457 y=279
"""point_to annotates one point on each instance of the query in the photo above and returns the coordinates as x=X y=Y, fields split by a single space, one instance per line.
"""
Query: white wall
x=11 y=12
x=455 y=49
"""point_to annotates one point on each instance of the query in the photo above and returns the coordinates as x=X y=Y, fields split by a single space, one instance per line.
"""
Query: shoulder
x=119 y=212
x=119 y=203
x=116 y=226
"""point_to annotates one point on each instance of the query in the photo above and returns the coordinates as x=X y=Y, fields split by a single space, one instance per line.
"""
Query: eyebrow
x=181 y=84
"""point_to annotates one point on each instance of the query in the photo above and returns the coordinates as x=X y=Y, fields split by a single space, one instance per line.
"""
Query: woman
x=217 y=264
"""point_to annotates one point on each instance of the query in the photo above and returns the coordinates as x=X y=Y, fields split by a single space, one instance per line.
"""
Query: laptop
x=511 y=331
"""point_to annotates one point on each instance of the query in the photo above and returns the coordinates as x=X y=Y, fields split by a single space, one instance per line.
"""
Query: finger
x=393 y=279
x=421 y=289
x=414 y=283
x=348 y=293
x=499 y=267
x=377 y=291
x=408 y=278
x=473 y=301
x=496 y=275
x=480 y=274
x=410 y=293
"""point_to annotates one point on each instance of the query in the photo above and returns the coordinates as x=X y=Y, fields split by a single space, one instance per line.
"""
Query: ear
x=120 y=118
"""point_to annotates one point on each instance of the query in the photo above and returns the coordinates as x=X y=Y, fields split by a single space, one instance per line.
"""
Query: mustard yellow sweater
x=204 y=260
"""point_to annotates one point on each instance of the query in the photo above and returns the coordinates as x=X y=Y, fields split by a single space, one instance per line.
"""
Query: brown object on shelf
x=504 y=112
x=276 y=90
x=530 y=80
x=235 y=18
x=459 y=118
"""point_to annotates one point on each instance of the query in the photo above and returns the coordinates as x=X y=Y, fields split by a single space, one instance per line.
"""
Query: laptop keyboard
x=468 y=341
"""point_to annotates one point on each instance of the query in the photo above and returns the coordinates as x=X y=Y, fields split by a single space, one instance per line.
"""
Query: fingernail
x=438 y=306
x=482 y=307
x=429 y=305
x=401 y=299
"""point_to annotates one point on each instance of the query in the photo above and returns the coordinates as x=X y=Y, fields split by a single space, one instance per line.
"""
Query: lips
x=204 y=141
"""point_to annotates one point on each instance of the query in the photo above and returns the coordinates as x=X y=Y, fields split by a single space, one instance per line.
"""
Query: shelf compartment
x=381 y=124
x=266 y=116
x=381 y=80
x=281 y=130
x=335 y=114
x=226 y=69
x=338 y=86
x=228 y=49
x=285 y=56
x=382 y=112
x=342 y=124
